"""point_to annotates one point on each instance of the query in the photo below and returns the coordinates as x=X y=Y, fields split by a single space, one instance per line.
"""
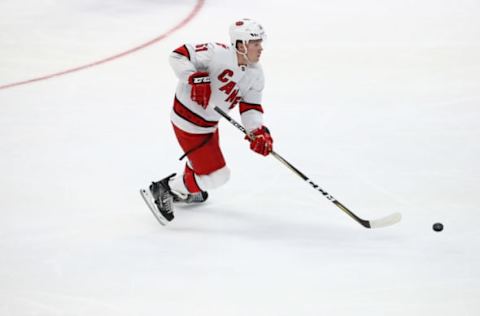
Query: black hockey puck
x=438 y=227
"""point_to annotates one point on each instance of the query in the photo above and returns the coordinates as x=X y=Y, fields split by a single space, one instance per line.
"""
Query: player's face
x=254 y=50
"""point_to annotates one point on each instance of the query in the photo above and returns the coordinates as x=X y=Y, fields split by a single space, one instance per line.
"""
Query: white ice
x=377 y=101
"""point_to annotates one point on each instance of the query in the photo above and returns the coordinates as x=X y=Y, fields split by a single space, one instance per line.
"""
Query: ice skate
x=159 y=199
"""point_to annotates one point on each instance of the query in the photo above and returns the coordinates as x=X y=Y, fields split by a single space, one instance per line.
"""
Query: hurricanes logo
x=229 y=87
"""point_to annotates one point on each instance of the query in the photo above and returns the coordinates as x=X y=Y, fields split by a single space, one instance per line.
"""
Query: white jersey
x=231 y=84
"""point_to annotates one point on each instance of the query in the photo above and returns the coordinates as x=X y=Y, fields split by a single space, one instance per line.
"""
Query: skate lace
x=166 y=199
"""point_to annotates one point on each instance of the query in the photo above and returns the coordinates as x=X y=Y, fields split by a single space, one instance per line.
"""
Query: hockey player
x=211 y=74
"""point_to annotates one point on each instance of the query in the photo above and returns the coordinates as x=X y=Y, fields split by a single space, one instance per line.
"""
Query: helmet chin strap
x=244 y=54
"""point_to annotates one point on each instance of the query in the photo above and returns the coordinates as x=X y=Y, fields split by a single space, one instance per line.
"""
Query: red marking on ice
x=181 y=24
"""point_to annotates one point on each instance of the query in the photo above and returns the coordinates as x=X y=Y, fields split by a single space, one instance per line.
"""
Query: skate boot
x=191 y=198
x=159 y=199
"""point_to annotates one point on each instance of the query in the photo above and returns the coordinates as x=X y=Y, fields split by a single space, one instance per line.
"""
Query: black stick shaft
x=363 y=222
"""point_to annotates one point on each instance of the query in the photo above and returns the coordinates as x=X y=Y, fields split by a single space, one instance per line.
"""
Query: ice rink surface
x=376 y=101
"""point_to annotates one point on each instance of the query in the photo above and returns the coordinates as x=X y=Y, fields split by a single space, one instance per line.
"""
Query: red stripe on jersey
x=244 y=107
x=185 y=113
x=190 y=181
x=183 y=50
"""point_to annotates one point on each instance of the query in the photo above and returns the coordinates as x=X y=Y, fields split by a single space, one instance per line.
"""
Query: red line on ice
x=181 y=24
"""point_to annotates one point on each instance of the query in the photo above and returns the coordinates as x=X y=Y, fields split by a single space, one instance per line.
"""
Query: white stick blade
x=386 y=221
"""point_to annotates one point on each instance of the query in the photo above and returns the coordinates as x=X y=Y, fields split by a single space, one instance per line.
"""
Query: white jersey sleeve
x=251 y=109
x=188 y=59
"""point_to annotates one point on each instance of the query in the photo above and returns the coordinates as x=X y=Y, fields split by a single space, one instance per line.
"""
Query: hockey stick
x=381 y=222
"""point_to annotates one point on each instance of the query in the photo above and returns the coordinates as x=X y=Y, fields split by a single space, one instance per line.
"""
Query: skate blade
x=148 y=198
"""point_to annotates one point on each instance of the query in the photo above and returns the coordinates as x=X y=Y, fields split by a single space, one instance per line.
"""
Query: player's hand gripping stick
x=261 y=141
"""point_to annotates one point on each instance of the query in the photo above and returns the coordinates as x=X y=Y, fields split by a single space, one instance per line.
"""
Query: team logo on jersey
x=229 y=88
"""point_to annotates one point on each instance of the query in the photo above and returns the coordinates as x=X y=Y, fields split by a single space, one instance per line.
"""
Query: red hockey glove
x=200 y=82
x=260 y=141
